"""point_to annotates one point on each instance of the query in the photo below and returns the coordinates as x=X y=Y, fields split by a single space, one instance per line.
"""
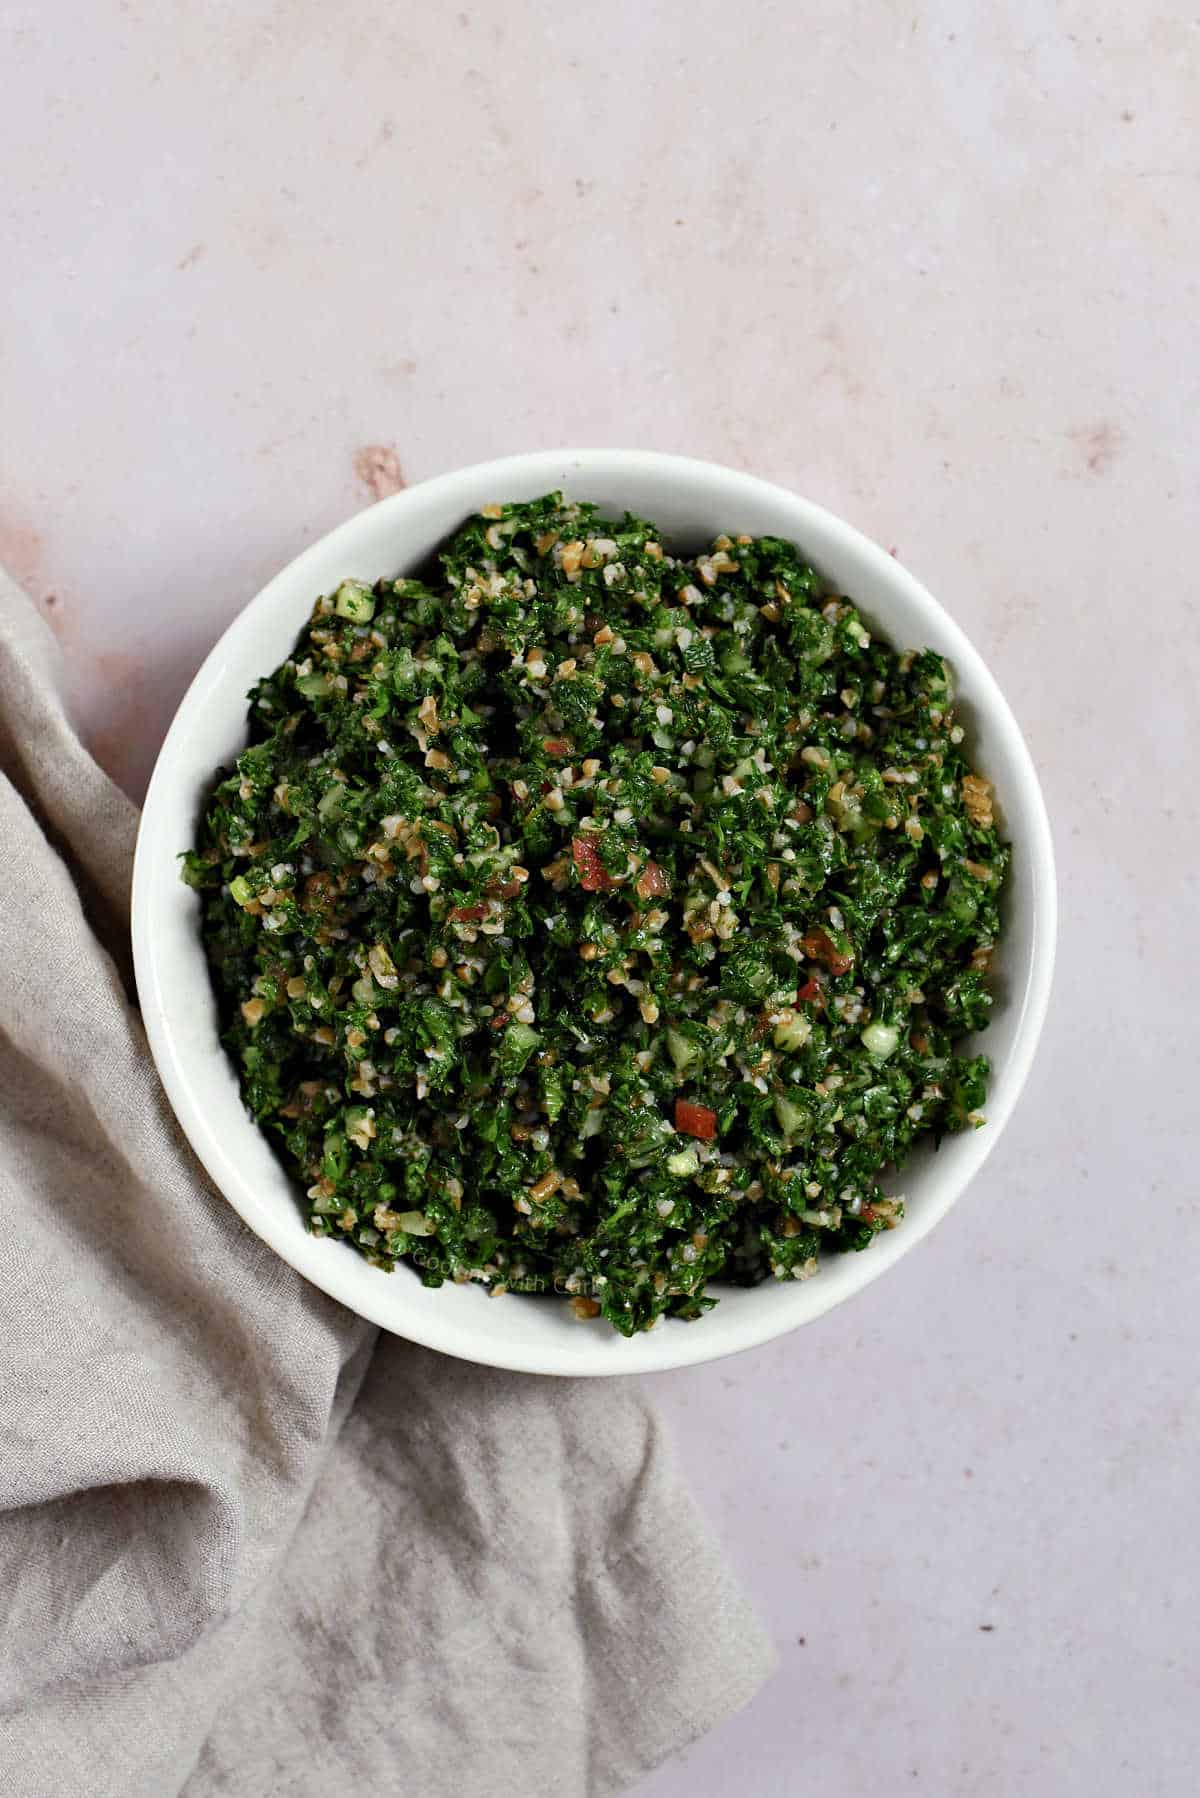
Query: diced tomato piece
x=652 y=882
x=593 y=875
x=821 y=947
x=556 y=746
x=508 y=890
x=695 y=1120
x=468 y=914
x=810 y=993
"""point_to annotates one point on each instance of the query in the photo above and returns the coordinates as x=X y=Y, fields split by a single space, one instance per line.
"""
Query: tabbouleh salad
x=591 y=920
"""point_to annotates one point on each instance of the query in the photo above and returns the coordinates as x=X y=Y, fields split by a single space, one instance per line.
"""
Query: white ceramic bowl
x=691 y=502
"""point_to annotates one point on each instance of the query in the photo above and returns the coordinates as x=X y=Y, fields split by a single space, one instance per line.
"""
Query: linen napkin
x=247 y=1544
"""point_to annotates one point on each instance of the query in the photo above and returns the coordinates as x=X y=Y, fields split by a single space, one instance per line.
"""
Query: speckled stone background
x=933 y=266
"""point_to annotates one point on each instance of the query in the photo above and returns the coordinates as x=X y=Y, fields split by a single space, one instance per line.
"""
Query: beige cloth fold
x=247 y=1545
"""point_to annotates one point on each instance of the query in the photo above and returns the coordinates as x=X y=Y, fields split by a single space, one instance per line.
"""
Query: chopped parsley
x=591 y=920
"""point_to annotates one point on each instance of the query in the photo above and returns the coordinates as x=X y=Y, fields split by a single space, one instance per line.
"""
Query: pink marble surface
x=936 y=270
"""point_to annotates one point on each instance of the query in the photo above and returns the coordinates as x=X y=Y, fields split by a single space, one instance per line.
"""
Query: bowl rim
x=161 y=830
